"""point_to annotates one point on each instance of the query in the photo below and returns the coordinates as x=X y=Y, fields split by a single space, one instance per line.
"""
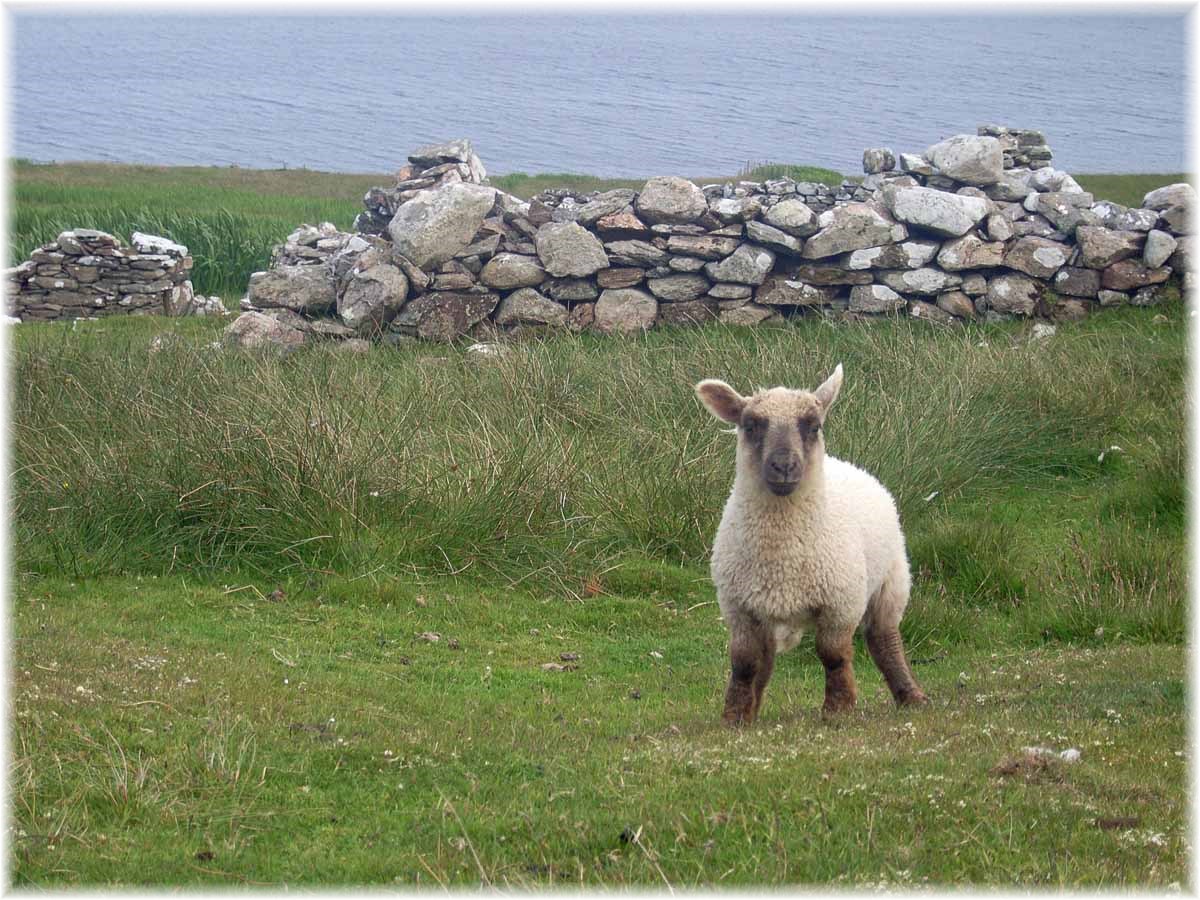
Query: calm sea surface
x=602 y=94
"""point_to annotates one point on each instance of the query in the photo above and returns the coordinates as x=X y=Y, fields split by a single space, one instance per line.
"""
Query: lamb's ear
x=828 y=391
x=722 y=401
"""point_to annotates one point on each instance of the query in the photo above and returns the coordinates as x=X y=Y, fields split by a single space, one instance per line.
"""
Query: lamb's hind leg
x=752 y=659
x=881 y=628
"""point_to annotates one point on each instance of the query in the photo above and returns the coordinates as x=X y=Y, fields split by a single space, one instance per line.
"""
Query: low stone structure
x=977 y=226
x=89 y=274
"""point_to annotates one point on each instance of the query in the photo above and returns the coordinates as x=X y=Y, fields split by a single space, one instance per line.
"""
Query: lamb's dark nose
x=783 y=466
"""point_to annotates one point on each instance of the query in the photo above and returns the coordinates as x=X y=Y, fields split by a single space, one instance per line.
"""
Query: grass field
x=230 y=218
x=230 y=571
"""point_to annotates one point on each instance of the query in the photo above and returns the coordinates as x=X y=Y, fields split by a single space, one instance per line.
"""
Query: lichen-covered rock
x=620 y=277
x=971 y=159
x=571 y=289
x=444 y=315
x=526 y=306
x=970 y=252
x=438 y=222
x=774 y=238
x=605 y=204
x=1178 y=194
x=279 y=329
x=748 y=264
x=929 y=312
x=677 y=288
x=793 y=216
x=852 y=226
x=735 y=209
x=509 y=271
x=1015 y=294
x=307 y=289
x=636 y=253
x=1064 y=210
x=749 y=314
x=625 y=311
x=919 y=281
x=689 y=312
x=957 y=304
x=670 y=200
x=1129 y=274
x=1101 y=247
x=949 y=215
x=1036 y=256
x=878 y=159
x=1075 y=281
x=778 y=290
x=1158 y=249
x=569 y=249
x=911 y=254
x=372 y=293
x=702 y=246
x=874 y=298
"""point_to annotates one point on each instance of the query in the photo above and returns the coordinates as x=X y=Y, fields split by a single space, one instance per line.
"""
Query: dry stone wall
x=976 y=227
x=90 y=274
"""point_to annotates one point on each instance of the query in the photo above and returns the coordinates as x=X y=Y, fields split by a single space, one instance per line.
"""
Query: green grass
x=1127 y=190
x=224 y=563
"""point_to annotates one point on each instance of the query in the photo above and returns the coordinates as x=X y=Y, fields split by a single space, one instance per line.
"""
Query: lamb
x=806 y=541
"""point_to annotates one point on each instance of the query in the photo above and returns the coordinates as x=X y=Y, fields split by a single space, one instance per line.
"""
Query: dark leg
x=887 y=649
x=751 y=657
x=836 y=650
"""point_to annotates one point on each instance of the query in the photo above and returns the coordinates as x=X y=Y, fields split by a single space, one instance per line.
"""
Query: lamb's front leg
x=752 y=658
x=835 y=647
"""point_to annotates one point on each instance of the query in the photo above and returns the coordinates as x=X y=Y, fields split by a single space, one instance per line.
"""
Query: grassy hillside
x=284 y=621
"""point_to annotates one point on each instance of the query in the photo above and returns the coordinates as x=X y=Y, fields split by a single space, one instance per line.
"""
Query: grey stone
x=1121 y=218
x=919 y=281
x=974 y=285
x=852 y=226
x=1101 y=247
x=970 y=252
x=1176 y=219
x=915 y=163
x=1036 y=256
x=735 y=209
x=571 y=289
x=950 y=215
x=919 y=309
x=276 y=330
x=748 y=315
x=606 y=204
x=1077 y=282
x=874 y=298
x=566 y=248
x=508 y=271
x=728 y=291
x=998 y=227
x=686 y=263
x=625 y=311
x=1013 y=185
x=1178 y=194
x=1112 y=298
x=1063 y=210
x=431 y=155
x=969 y=158
x=372 y=293
x=775 y=238
x=878 y=159
x=793 y=216
x=957 y=304
x=526 y=306
x=780 y=291
x=905 y=255
x=703 y=246
x=1016 y=294
x=749 y=264
x=298 y=288
x=676 y=288
x=439 y=222
x=619 y=277
x=444 y=315
x=636 y=253
x=1158 y=249
x=689 y=312
x=670 y=200
x=1128 y=274
x=621 y=225
x=824 y=273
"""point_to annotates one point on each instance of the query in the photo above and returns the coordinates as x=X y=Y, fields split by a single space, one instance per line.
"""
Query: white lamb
x=806 y=542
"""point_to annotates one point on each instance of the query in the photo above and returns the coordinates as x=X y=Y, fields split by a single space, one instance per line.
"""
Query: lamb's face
x=779 y=438
x=780 y=431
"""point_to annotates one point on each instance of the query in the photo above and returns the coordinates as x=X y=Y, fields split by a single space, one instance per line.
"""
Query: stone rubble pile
x=89 y=274
x=977 y=226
